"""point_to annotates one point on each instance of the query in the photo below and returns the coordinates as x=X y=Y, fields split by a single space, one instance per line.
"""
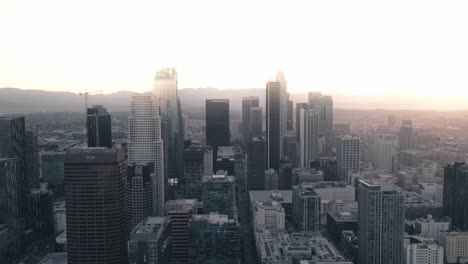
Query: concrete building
x=150 y=241
x=431 y=228
x=306 y=208
x=271 y=180
x=60 y=219
x=98 y=127
x=141 y=188
x=283 y=197
x=268 y=215
x=324 y=105
x=145 y=144
x=417 y=206
x=180 y=213
x=214 y=239
x=198 y=162
x=274 y=130
x=422 y=251
x=96 y=187
x=348 y=151
x=381 y=224
x=225 y=159
x=339 y=221
x=219 y=194
x=306 y=175
x=455 y=246
x=406 y=132
x=309 y=137
x=381 y=152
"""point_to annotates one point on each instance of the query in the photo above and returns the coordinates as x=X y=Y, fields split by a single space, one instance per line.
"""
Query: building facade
x=217 y=124
x=248 y=103
x=98 y=127
x=306 y=208
x=141 y=188
x=309 y=137
x=348 y=154
x=219 y=194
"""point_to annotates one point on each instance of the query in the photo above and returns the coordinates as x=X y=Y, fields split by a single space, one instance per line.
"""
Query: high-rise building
x=41 y=213
x=381 y=152
x=256 y=164
x=290 y=124
x=225 y=159
x=95 y=195
x=406 y=132
x=185 y=122
x=256 y=122
x=32 y=160
x=165 y=92
x=145 y=144
x=306 y=208
x=247 y=104
x=271 y=179
x=214 y=238
x=309 y=137
x=98 y=127
x=324 y=105
x=141 y=189
x=150 y=241
x=381 y=224
x=284 y=99
x=299 y=106
x=217 y=124
x=180 y=212
x=52 y=170
x=273 y=125
x=455 y=194
x=198 y=162
x=219 y=194
x=348 y=154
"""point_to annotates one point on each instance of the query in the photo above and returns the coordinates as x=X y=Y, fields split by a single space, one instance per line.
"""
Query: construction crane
x=85 y=95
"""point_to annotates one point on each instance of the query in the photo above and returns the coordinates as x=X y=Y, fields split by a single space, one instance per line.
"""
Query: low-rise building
x=419 y=250
x=268 y=215
x=429 y=227
x=455 y=246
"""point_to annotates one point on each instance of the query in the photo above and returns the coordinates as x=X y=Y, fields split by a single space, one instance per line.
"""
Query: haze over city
x=399 y=49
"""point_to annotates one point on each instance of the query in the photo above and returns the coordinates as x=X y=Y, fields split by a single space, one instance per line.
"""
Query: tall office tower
x=455 y=194
x=299 y=106
x=285 y=175
x=32 y=160
x=271 y=179
x=381 y=224
x=273 y=125
x=381 y=150
x=324 y=105
x=406 y=131
x=290 y=146
x=290 y=114
x=284 y=98
x=145 y=144
x=10 y=210
x=196 y=159
x=185 y=126
x=236 y=130
x=165 y=91
x=52 y=170
x=180 y=212
x=217 y=124
x=247 y=104
x=41 y=213
x=306 y=208
x=141 y=189
x=95 y=194
x=150 y=241
x=348 y=154
x=98 y=126
x=219 y=194
x=256 y=122
x=256 y=164
x=214 y=238
x=309 y=137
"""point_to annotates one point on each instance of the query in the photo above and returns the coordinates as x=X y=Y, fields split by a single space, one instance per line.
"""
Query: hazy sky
x=357 y=47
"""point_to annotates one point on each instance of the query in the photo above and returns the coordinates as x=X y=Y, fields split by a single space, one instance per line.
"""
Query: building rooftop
x=416 y=199
x=149 y=225
x=92 y=150
x=181 y=205
x=379 y=186
x=218 y=177
x=344 y=216
x=166 y=74
x=214 y=219
x=281 y=196
x=225 y=152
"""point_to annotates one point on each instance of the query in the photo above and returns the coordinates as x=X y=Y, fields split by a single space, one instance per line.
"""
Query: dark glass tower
x=273 y=125
x=141 y=187
x=32 y=160
x=98 y=125
x=290 y=114
x=256 y=164
x=455 y=194
x=95 y=195
x=247 y=104
x=217 y=124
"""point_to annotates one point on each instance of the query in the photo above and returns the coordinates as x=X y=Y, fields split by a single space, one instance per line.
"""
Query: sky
x=413 y=49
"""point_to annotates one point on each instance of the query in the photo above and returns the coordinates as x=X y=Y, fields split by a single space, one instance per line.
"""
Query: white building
x=60 y=217
x=381 y=151
x=348 y=151
x=422 y=251
x=455 y=246
x=309 y=137
x=268 y=215
x=145 y=144
x=431 y=228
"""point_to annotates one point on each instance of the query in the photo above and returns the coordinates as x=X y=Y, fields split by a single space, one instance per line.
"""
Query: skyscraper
x=273 y=125
x=217 y=124
x=299 y=106
x=324 y=105
x=32 y=160
x=219 y=194
x=214 y=238
x=381 y=150
x=306 y=208
x=290 y=114
x=145 y=144
x=455 y=194
x=141 y=189
x=165 y=91
x=256 y=164
x=150 y=242
x=348 y=154
x=196 y=159
x=180 y=212
x=247 y=104
x=98 y=126
x=309 y=137
x=381 y=224
x=256 y=122
x=406 y=131
x=95 y=195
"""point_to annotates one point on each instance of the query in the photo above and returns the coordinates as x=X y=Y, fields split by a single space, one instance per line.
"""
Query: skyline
x=410 y=47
